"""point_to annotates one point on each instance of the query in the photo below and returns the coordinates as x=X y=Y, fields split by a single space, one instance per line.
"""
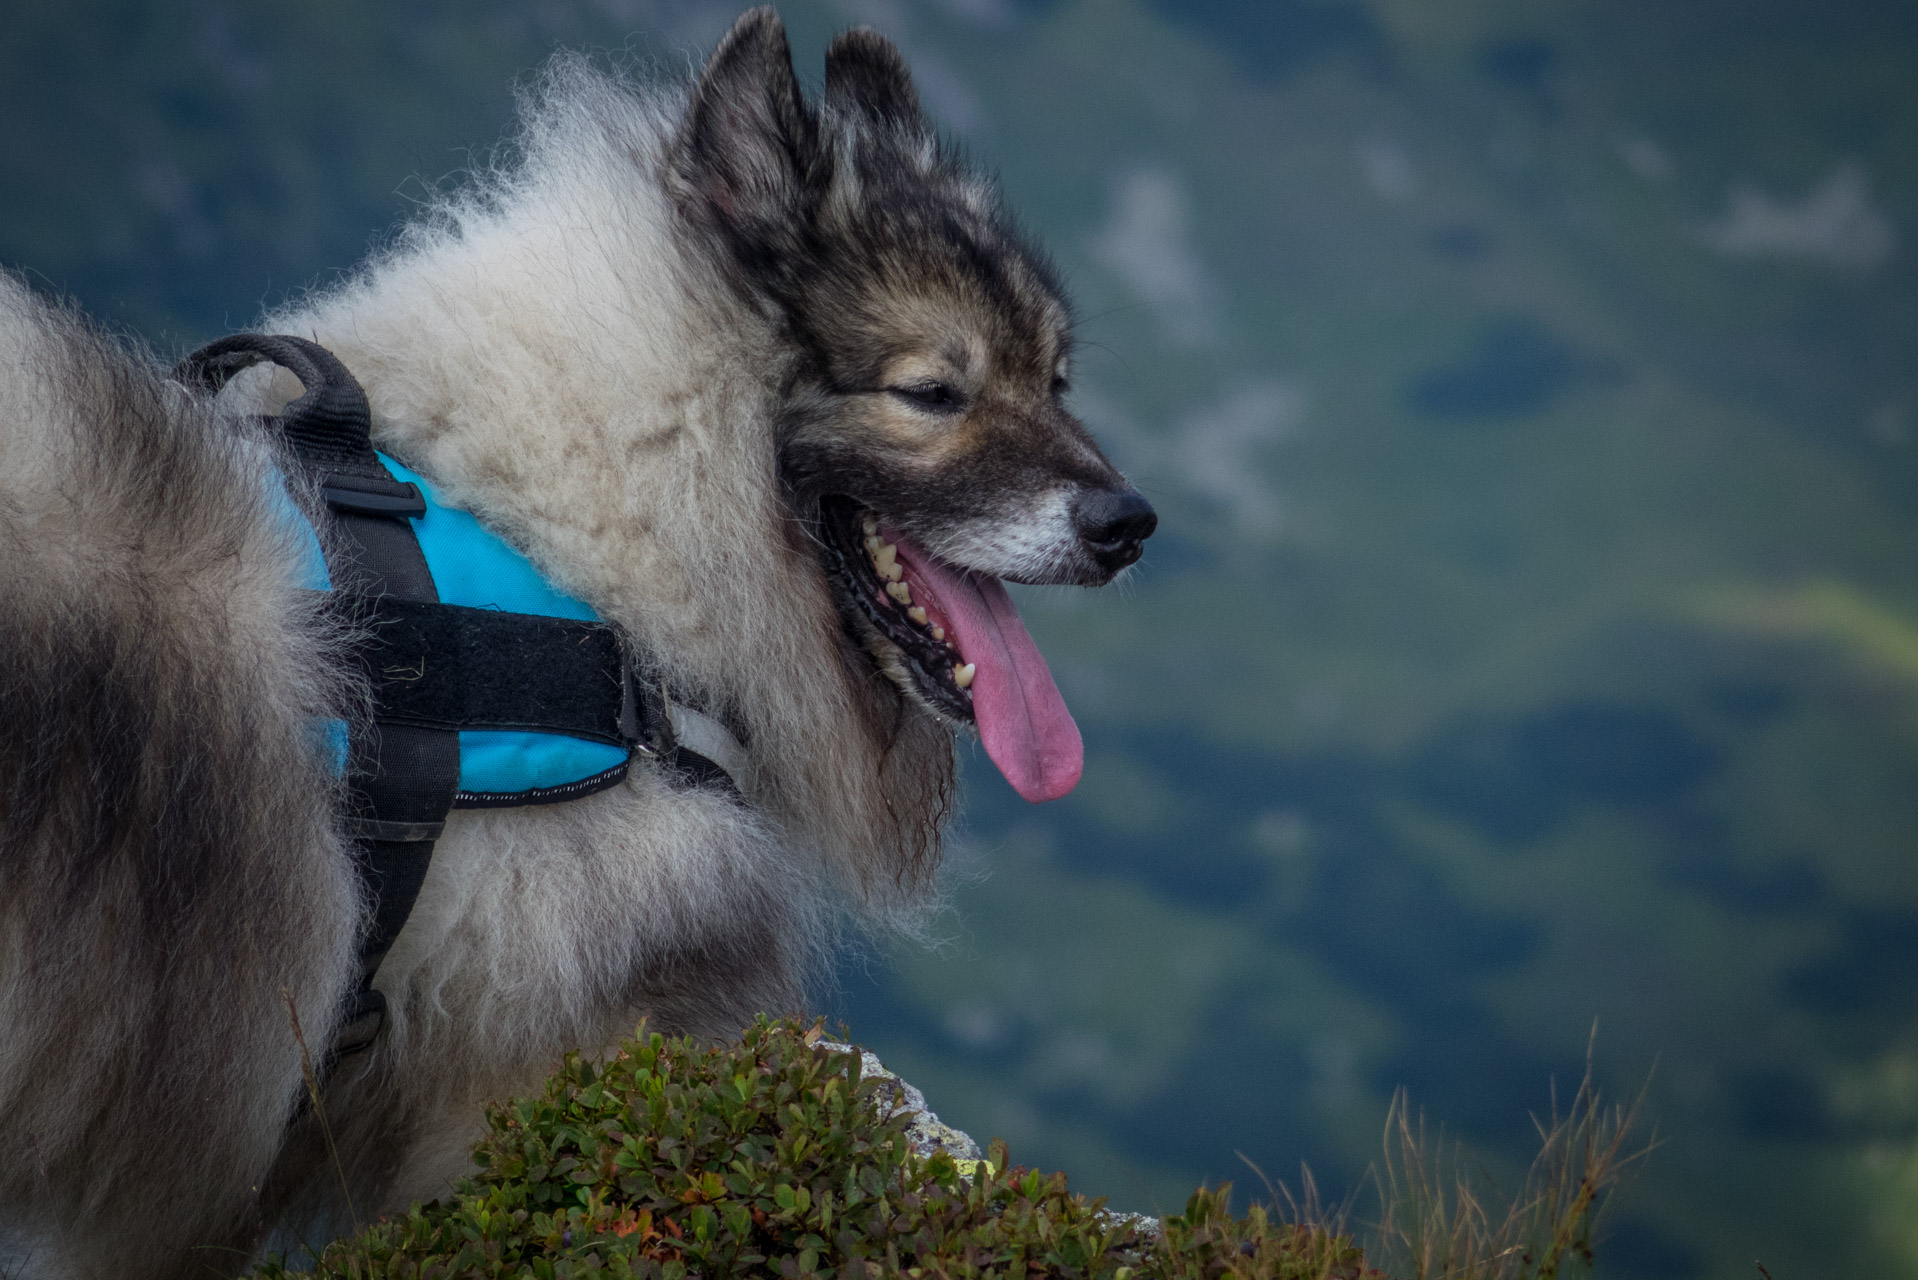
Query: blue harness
x=471 y=566
x=490 y=688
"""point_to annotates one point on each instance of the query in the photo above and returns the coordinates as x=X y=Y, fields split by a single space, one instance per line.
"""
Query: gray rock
x=929 y=1134
x=926 y=1132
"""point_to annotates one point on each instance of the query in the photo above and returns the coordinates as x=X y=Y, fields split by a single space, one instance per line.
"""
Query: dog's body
x=687 y=356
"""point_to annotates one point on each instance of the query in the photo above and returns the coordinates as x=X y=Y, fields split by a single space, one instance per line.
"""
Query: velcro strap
x=444 y=666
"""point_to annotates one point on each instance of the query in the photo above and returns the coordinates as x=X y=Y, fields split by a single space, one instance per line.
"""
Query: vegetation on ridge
x=772 y=1156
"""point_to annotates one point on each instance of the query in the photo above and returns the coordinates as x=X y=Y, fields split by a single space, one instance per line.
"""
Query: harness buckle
x=645 y=724
x=372 y=496
x=365 y=1019
x=366 y=828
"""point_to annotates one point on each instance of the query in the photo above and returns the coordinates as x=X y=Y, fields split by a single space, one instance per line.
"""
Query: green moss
x=773 y=1157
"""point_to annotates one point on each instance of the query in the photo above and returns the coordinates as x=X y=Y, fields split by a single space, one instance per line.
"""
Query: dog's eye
x=936 y=396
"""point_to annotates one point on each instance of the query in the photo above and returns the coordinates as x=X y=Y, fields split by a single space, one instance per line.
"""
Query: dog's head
x=923 y=436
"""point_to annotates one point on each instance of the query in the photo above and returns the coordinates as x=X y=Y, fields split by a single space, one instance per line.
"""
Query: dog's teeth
x=900 y=592
x=962 y=675
x=869 y=525
x=873 y=543
x=917 y=614
x=885 y=558
x=938 y=633
x=893 y=572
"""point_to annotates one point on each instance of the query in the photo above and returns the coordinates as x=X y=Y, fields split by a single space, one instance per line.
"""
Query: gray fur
x=643 y=353
x=158 y=664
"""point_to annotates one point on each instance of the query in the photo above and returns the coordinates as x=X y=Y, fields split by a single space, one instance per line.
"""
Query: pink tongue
x=1022 y=719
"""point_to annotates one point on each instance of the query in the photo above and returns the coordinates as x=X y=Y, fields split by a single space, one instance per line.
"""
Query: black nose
x=1114 y=526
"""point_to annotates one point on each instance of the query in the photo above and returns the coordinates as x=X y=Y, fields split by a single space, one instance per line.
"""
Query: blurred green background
x=1532 y=637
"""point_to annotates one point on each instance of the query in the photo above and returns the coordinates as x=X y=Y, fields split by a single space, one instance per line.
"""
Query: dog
x=772 y=382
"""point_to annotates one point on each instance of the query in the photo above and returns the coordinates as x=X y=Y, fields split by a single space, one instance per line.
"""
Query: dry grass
x=1439 y=1216
x=1439 y=1219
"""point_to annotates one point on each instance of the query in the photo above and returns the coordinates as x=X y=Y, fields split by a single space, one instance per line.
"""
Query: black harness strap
x=401 y=775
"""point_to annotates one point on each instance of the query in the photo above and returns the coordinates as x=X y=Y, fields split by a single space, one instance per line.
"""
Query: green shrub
x=773 y=1157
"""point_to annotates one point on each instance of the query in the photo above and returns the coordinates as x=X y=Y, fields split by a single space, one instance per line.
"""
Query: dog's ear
x=749 y=148
x=866 y=76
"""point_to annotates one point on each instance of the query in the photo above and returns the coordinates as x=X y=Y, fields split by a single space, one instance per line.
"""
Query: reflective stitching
x=542 y=795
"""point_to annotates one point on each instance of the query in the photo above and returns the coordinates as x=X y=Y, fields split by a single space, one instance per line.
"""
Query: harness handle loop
x=329 y=426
